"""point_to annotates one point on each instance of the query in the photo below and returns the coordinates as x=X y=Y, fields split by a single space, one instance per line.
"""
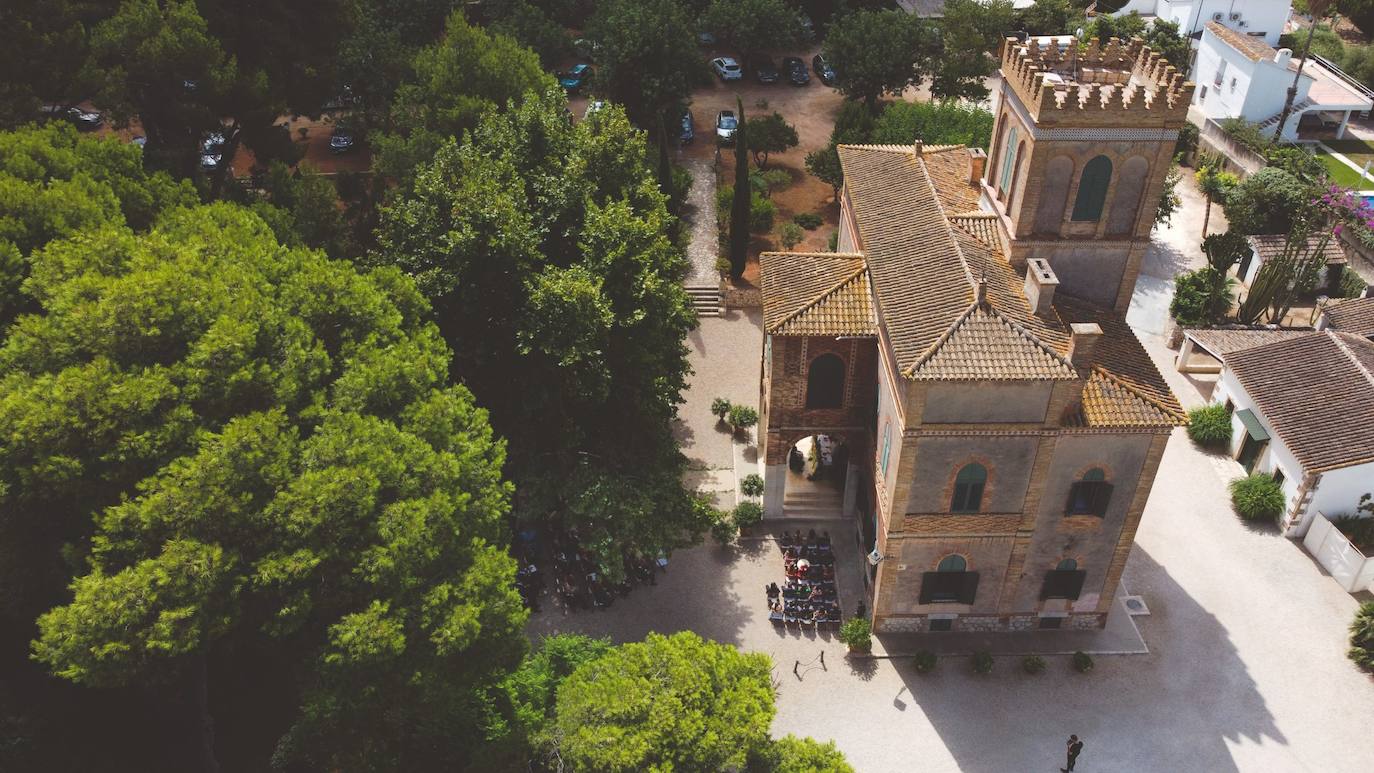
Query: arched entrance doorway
x=817 y=473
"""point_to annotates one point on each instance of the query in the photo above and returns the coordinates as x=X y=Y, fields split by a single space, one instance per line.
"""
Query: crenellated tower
x=1083 y=140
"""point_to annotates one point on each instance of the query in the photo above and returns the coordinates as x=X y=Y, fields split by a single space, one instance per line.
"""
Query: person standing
x=1075 y=748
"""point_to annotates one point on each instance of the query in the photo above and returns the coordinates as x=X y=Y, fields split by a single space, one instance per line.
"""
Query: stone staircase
x=816 y=503
x=706 y=300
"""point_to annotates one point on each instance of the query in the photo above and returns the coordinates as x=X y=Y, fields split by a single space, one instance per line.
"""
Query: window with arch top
x=950 y=583
x=825 y=382
x=1089 y=495
x=968 y=488
x=1092 y=189
x=1009 y=153
x=954 y=563
x=1065 y=581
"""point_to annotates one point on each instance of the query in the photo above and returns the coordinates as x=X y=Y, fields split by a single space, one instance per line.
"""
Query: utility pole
x=1318 y=10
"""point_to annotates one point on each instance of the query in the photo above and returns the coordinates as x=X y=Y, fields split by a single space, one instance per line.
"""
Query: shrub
x=725 y=196
x=1082 y=662
x=1352 y=284
x=720 y=408
x=723 y=266
x=723 y=529
x=1257 y=497
x=1210 y=426
x=1245 y=133
x=1032 y=664
x=1362 y=637
x=949 y=122
x=742 y=417
x=1186 y=144
x=765 y=183
x=748 y=514
x=761 y=213
x=1201 y=297
x=982 y=662
x=752 y=485
x=858 y=634
x=835 y=241
x=790 y=235
x=808 y=220
x=925 y=661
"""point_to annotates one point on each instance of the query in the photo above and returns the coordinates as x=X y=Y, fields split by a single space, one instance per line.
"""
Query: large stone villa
x=967 y=348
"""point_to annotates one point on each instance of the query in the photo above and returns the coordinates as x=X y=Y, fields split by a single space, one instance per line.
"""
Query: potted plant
x=742 y=417
x=857 y=634
x=747 y=515
x=1210 y=426
x=751 y=485
x=1082 y=661
x=982 y=662
x=1032 y=664
x=720 y=408
x=924 y=661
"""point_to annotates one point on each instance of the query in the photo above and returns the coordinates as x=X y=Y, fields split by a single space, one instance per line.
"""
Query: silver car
x=726 y=125
x=727 y=68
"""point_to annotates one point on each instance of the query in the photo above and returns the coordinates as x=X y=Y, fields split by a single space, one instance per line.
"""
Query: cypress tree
x=739 y=209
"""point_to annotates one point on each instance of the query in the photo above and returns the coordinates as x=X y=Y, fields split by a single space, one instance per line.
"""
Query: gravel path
x=701 y=214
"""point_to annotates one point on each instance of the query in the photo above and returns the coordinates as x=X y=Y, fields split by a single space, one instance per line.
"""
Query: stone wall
x=742 y=296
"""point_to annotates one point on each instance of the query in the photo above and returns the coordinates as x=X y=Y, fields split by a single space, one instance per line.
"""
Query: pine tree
x=739 y=207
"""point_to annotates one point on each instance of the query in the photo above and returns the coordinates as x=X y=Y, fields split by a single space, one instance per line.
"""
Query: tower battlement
x=1117 y=84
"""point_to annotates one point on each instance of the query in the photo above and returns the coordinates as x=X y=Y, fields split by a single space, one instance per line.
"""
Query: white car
x=727 y=68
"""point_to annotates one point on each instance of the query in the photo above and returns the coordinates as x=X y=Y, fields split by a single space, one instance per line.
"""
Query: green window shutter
x=1092 y=189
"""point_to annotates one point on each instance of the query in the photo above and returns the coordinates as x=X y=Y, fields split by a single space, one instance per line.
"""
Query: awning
x=1252 y=424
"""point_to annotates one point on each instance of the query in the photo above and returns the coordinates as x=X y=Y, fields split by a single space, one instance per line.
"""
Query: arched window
x=1130 y=186
x=1015 y=172
x=954 y=563
x=1092 y=189
x=1054 y=194
x=825 y=382
x=1008 y=161
x=968 y=488
x=1067 y=565
x=1090 y=495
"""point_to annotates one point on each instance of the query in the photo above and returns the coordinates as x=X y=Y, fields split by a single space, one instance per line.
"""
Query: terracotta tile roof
x=1314 y=392
x=919 y=278
x=1220 y=343
x=924 y=243
x=816 y=293
x=1269 y=246
x=1355 y=315
x=1253 y=48
x=984 y=345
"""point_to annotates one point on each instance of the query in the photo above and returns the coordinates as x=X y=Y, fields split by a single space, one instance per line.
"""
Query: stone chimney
x=1083 y=338
x=978 y=164
x=918 y=148
x=1283 y=56
x=1040 y=285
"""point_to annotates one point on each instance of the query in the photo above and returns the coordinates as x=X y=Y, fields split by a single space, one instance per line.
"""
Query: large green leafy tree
x=1270 y=201
x=750 y=26
x=878 y=52
x=543 y=245
x=970 y=35
x=456 y=80
x=246 y=460
x=43 y=55
x=54 y=182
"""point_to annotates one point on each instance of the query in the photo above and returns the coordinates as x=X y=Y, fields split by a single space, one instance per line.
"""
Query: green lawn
x=1342 y=175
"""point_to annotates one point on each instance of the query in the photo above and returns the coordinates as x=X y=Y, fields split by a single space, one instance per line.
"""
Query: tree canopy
x=878 y=52
x=1270 y=201
x=935 y=123
x=543 y=245
x=254 y=449
x=749 y=26
x=769 y=134
x=970 y=35
x=647 y=57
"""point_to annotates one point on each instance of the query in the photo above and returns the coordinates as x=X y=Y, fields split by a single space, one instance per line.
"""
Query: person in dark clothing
x=1075 y=748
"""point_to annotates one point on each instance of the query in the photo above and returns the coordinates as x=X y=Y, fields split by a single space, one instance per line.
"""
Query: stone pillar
x=1185 y=352
x=852 y=479
x=1345 y=120
x=774 y=489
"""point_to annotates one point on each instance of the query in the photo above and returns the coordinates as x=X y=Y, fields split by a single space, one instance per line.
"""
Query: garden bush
x=1201 y=297
x=723 y=529
x=752 y=485
x=1210 y=426
x=1257 y=497
x=1362 y=637
x=982 y=662
x=723 y=266
x=1032 y=664
x=808 y=220
x=924 y=661
x=748 y=514
x=1082 y=661
x=720 y=407
x=790 y=235
x=835 y=241
x=858 y=634
x=761 y=213
x=742 y=417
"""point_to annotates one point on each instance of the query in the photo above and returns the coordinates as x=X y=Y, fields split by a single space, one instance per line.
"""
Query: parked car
x=705 y=39
x=343 y=139
x=823 y=69
x=595 y=106
x=726 y=124
x=84 y=120
x=727 y=68
x=687 y=129
x=763 y=69
x=575 y=78
x=796 y=71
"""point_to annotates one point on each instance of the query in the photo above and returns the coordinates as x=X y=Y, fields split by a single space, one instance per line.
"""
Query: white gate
x=1334 y=552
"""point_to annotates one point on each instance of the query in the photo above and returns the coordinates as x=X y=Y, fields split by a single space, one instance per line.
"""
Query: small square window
x=941 y=624
x=1050 y=623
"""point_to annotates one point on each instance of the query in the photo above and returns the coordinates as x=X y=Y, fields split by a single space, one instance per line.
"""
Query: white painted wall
x=1251 y=90
x=1276 y=455
x=1338 y=492
x=1267 y=16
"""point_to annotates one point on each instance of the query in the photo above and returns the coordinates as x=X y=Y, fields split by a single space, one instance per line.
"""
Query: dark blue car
x=687 y=127
x=575 y=78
